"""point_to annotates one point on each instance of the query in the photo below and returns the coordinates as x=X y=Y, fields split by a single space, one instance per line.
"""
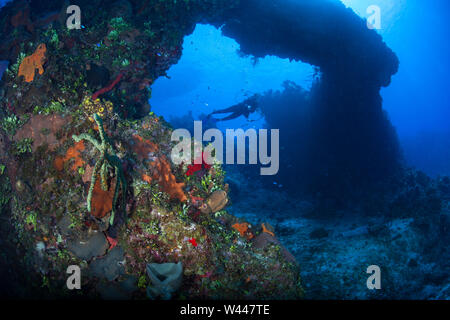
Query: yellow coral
x=35 y=61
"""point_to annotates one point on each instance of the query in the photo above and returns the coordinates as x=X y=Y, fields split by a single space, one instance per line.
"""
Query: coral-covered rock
x=22 y=18
x=56 y=208
x=264 y=239
x=244 y=230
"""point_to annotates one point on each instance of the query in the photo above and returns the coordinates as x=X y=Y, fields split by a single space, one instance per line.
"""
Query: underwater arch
x=353 y=142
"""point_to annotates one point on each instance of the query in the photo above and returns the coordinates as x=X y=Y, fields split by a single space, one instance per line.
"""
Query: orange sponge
x=163 y=174
x=35 y=61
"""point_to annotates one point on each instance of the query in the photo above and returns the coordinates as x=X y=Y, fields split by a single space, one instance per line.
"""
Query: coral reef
x=22 y=18
x=405 y=233
x=198 y=165
x=68 y=180
x=243 y=229
x=58 y=193
x=42 y=129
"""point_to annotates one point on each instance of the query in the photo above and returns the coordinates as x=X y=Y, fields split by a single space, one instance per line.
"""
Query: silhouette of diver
x=244 y=108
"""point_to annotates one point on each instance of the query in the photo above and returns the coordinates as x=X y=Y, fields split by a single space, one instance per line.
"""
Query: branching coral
x=35 y=61
x=107 y=157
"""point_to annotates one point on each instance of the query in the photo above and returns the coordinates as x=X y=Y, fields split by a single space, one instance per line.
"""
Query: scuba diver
x=244 y=108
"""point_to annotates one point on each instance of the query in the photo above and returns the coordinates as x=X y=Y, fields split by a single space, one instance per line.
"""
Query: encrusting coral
x=143 y=147
x=72 y=153
x=35 y=61
x=102 y=200
x=107 y=156
x=243 y=229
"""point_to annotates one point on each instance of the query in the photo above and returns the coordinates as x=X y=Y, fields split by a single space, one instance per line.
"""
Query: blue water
x=211 y=75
